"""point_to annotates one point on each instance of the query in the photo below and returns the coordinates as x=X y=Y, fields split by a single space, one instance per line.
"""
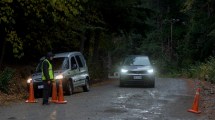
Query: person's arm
x=46 y=70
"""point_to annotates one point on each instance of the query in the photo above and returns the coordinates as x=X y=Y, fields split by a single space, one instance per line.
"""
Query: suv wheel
x=86 y=87
x=121 y=84
x=68 y=87
x=152 y=85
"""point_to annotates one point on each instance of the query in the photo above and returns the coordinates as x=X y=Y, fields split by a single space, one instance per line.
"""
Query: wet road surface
x=169 y=100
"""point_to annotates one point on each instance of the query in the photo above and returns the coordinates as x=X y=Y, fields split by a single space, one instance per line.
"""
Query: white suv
x=71 y=67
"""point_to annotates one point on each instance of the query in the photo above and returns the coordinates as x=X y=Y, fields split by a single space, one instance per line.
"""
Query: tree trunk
x=83 y=39
x=87 y=43
x=208 y=6
x=2 y=53
x=96 y=45
x=109 y=64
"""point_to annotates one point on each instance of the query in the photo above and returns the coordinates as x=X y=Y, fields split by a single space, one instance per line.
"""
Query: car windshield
x=137 y=60
x=60 y=63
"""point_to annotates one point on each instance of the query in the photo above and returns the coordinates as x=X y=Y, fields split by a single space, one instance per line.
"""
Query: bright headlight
x=59 y=77
x=124 y=70
x=29 y=80
x=150 y=71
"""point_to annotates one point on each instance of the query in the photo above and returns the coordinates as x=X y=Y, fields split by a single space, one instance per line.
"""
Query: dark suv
x=137 y=70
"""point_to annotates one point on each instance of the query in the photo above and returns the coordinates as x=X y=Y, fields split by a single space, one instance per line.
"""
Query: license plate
x=40 y=86
x=137 y=77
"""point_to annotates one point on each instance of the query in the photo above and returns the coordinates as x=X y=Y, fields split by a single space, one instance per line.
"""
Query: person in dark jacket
x=47 y=77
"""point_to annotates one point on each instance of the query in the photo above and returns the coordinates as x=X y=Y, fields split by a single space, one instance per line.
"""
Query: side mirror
x=74 y=66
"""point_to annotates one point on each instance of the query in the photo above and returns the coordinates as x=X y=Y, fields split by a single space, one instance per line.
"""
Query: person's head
x=50 y=55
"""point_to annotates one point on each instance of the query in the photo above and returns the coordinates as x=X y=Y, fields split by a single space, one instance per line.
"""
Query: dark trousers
x=46 y=91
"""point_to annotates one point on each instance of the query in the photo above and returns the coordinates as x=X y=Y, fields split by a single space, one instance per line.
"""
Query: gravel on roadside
x=207 y=99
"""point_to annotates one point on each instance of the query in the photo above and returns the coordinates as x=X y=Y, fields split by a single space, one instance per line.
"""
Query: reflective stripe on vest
x=50 y=70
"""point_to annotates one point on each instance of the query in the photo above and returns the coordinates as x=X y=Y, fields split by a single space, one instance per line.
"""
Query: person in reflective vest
x=47 y=77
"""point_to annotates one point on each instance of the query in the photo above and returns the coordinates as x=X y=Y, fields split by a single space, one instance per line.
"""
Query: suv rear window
x=80 y=64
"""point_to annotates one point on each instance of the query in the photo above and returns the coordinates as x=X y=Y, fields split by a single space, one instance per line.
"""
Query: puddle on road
x=142 y=105
x=121 y=97
x=11 y=118
x=115 y=110
x=147 y=104
x=53 y=115
x=139 y=111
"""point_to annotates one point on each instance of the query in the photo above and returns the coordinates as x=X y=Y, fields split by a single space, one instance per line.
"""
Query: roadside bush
x=5 y=77
x=17 y=84
x=202 y=71
x=97 y=72
x=210 y=74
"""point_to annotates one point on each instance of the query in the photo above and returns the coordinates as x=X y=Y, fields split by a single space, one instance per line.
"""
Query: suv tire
x=68 y=87
x=86 y=87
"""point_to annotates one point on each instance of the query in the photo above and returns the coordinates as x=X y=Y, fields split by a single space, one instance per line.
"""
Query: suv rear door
x=74 y=71
x=82 y=69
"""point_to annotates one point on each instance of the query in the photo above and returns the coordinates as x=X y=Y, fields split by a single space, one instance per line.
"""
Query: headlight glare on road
x=29 y=80
x=59 y=77
x=150 y=71
x=124 y=70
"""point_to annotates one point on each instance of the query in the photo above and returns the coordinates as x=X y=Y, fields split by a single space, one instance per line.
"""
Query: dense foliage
x=5 y=78
x=201 y=71
x=175 y=34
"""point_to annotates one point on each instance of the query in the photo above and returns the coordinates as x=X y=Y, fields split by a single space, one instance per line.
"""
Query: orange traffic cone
x=31 y=98
x=194 y=108
x=60 y=94
x=54 y=92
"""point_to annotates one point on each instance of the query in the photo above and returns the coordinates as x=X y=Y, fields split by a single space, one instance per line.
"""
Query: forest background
x=177 y=35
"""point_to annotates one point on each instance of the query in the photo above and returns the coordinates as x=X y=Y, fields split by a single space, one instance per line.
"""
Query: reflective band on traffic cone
x=195 y=105
x=31 y=98
x=60 y=94
x=54 y=92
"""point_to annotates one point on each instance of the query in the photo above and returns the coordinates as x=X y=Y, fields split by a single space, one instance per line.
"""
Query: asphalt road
x=169 y=100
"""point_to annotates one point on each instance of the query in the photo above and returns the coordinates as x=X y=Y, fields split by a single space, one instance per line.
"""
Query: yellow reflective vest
x=50 y=70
